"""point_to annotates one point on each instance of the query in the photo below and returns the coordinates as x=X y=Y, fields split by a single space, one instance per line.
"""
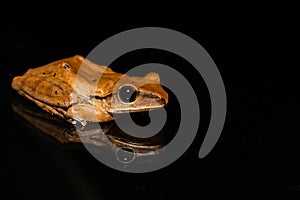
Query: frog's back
x=68 y=68
x=90 y=79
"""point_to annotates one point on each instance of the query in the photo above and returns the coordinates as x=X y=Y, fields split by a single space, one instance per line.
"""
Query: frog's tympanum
x=77 y=89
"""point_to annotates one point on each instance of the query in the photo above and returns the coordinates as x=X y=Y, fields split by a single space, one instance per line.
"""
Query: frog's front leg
x=86 y=112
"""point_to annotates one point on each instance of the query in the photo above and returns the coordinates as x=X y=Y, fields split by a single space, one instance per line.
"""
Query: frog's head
x=135 y=94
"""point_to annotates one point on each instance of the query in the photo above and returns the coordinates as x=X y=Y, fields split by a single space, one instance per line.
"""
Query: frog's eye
x=127 y=94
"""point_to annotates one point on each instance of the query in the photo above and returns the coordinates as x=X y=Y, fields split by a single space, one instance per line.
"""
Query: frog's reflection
x=99 y=135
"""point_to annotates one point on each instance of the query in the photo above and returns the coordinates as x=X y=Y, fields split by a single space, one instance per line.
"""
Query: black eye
x=127 y=94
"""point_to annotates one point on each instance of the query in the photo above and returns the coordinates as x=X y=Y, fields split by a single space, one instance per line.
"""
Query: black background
x=256 y=155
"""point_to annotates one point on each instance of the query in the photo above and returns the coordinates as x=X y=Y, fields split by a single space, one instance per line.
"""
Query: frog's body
x=77 y=89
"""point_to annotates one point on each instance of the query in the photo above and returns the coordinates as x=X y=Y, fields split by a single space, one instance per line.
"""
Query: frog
x=77 y=89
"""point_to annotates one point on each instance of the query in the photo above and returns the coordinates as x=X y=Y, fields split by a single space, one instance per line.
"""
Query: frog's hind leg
x=52 y=110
